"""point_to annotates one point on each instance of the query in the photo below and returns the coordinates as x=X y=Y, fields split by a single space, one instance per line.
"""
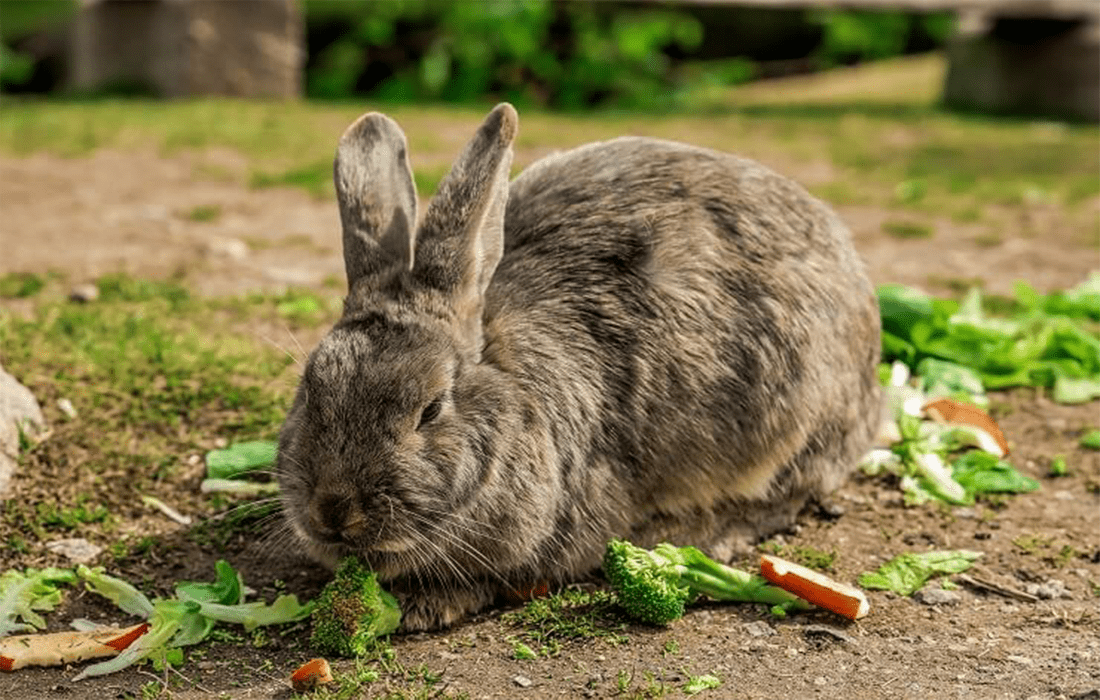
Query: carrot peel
x=815 y=587
x=59 y=648
x=311 y=674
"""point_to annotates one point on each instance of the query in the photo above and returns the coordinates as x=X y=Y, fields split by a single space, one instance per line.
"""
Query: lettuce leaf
x=240 y=458
x=24 y=594
x=1048 y=341
x=189 y=617
x=119 y=592
x=906 y=573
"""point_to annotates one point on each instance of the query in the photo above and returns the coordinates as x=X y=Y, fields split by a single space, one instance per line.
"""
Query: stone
x=1050 y=590
x=758 y=628
x=67 y=408
x=77 y=549
x=19 y=412
x=937 y=596
x=182 y=48
x=522 y=681
x=1026 y=65
x=84 y=293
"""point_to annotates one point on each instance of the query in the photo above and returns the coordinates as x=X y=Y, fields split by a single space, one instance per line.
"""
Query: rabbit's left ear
x=374 y=186
x=461 y=239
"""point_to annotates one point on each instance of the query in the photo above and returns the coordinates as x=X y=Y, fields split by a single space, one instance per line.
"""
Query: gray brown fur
x=636 y=338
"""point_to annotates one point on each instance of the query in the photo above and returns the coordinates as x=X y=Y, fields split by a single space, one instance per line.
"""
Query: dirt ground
x=124 y=211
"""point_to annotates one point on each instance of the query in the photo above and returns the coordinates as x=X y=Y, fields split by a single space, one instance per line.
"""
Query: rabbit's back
x=710 y=317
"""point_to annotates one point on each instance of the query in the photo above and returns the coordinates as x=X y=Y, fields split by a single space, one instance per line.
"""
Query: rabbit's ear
x=374 y=186
x=462 y=237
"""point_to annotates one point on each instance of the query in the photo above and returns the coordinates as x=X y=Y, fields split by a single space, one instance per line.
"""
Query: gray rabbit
x=636 y=338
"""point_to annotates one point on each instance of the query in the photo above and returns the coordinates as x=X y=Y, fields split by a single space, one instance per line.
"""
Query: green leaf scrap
x=240 y=458
x=907 y=573
x=1047 y=341
x=23 y=594
x=1091 y=440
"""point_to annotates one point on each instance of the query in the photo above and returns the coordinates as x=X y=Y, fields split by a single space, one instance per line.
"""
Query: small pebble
x=758 y=628
x=1050 y=590
x=67 y=408
x=936 y=596
x=1023 y=660
x=522 y=681
x=77 y=549
x=84 y=293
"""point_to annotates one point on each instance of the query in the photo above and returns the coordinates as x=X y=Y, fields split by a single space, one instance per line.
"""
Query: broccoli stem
x=720 y=582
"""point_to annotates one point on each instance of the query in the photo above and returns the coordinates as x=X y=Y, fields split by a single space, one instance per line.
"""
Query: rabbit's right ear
x=374 y=186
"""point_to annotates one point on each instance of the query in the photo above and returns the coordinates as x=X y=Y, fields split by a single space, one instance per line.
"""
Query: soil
x=129 y=211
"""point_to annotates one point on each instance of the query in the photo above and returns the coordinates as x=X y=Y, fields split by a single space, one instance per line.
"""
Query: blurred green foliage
x=559 y=54
x=528 y=51
x=553 y=53
x=849 y=36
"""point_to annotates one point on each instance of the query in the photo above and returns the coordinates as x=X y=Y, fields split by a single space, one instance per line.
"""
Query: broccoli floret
x=653 y=586
x=352 y=612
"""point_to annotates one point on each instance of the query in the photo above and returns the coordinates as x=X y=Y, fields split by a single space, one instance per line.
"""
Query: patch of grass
x=1065 y=555
x=874 y=137
x=204 y=213
x=1031 y=544
x=315 y=178
x=20 y=285
x=154 y=375
x=546 y=624
x=906 y=229
x=1058 y=466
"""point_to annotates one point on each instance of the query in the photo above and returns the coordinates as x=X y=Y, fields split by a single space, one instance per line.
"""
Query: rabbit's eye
x=430 y=412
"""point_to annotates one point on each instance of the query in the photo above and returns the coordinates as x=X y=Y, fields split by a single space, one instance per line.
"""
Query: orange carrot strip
x=59 y=648
x=310 y=675
x=529 y=593
x=127 y=638
x=947 y=410
x=814 y=587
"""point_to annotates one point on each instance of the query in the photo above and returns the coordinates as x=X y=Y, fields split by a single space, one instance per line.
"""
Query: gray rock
x=19 y=411
x=84 y=293
x=1050 y=590
x=78 y=550
x=758 y=628
x=67 y=408
x=522 y=681
x=936 y=596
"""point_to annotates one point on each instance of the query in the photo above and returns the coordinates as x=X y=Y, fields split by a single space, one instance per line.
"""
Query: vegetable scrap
x=653 y=586
x=928 y=444
x=815 y=587
x=225 y=467
x=171 y=623
x=1044 y=342
x=25 y=594
x=907 y=573
x=60 y=648
x=352 y=612
x=311 y=674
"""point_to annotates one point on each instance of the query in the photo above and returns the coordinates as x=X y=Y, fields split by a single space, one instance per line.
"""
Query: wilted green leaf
x=907 y=573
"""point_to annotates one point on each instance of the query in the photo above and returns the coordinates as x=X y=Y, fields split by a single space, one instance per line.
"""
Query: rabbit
x=636 y=338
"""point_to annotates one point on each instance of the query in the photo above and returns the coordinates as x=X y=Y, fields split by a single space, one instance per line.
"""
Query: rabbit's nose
x=335 y=518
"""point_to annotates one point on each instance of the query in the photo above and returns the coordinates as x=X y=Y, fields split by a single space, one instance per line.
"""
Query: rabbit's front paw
x=437 y=608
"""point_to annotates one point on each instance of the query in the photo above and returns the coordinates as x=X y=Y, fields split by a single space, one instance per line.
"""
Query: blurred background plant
x=554 y=53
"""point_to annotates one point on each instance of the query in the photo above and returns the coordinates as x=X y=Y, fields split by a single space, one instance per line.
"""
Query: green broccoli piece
x=653 y=586
x=352 y=611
